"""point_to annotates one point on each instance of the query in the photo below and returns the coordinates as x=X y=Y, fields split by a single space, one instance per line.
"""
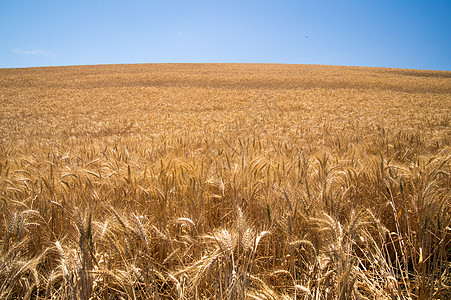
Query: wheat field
x=225 y=181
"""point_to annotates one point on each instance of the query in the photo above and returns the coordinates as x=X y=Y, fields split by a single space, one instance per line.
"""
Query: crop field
x=225 y=181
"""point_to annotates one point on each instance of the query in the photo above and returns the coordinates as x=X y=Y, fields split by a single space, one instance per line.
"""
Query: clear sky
x=379 y=33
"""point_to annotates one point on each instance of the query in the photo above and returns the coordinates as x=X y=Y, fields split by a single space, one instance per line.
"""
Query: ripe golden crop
x=189 y=181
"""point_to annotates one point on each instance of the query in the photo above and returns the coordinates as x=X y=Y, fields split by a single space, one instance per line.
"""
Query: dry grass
x=225 y=182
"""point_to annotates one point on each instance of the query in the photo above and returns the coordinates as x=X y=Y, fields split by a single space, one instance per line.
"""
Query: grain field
x=225 y=181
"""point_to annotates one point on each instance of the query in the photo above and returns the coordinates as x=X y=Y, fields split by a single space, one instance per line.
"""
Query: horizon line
x=221 y=63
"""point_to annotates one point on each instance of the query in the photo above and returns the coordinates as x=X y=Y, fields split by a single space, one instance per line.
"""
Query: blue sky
x=401 y=34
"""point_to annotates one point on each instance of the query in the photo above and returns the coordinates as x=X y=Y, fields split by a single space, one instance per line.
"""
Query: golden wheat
x=225 y=181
